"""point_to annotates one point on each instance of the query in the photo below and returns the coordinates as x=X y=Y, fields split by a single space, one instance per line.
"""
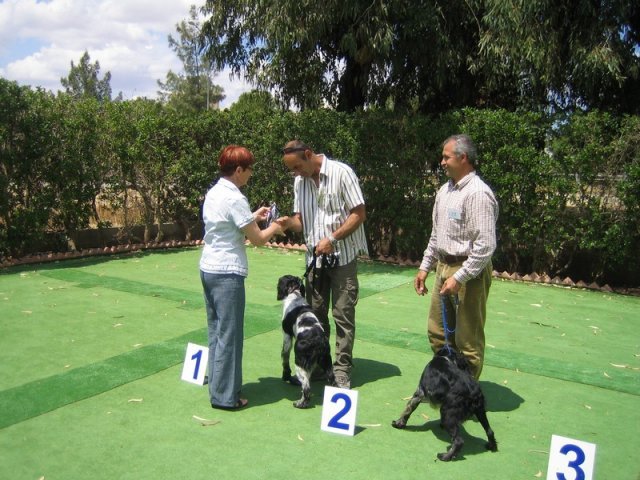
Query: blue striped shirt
x=325 y=207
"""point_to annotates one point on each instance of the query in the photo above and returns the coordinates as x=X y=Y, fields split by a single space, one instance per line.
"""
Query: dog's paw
x=445 y=457
x=399 y=424
x=294 y=381
x=301 y=404
x=491 y=446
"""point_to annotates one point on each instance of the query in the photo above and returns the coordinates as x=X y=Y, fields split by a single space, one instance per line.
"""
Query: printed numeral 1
x=195 y=364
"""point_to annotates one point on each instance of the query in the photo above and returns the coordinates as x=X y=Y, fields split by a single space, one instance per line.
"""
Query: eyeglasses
x=288 y=150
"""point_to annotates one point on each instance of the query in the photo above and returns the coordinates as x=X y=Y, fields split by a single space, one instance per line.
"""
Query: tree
x=429 y=55
x=307 y=52
x=187 y=94
x=567 y=53
x=83 y=81
x=25 y=195
x=255 y=101
x=406 y=54
x=192 y=90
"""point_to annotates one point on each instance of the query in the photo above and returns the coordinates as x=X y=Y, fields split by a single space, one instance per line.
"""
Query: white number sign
x=570 y=459
x=195 y=364
x=339 y=410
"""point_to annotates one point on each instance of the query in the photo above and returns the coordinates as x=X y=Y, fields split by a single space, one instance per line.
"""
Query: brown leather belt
x=452 y=259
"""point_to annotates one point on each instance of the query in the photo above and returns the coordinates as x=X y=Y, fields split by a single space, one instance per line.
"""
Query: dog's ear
x=288 y=284
x=462 y=362
x=283 y=290
x=294 y=284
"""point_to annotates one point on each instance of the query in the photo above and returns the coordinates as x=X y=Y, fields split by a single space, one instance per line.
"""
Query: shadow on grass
x=472 y=445
x=500 y=398
x=366 y=370
x=269 y=390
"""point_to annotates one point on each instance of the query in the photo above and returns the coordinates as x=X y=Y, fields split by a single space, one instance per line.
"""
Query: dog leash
x=326 y=261
x=445 y=325
x=311 y=265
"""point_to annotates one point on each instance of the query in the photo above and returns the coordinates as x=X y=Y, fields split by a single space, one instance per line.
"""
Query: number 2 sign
x=339 y=410
x=195 y=364
x=570 y=459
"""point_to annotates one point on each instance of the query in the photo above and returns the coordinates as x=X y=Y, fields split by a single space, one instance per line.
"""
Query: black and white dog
x=447 y=382
x=311 y=349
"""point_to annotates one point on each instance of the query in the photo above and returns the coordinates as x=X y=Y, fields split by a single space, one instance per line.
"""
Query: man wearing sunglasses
x=329 y=209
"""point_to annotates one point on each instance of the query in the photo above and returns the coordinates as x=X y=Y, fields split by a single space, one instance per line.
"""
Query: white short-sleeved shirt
x=224 y=213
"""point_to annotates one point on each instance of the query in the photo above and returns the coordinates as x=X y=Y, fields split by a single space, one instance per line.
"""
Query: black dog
x=311 y=345
x=447 y=382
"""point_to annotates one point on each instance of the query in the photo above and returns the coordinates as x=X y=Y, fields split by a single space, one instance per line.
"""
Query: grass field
x=91 y=352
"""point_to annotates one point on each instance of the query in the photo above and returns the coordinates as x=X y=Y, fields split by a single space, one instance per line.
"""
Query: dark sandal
x=241 y=403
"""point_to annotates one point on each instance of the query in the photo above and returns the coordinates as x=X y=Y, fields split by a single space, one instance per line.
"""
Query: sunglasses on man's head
x=288 y=150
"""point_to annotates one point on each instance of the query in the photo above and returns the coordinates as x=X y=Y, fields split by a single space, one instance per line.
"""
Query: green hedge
x=568 y=188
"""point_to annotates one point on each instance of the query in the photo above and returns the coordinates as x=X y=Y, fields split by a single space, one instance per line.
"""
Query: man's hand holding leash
x=324 y=246
x=450 y=286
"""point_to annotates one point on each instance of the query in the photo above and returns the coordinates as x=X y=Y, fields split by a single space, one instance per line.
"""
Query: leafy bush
x=568 y=187
x=27 y=192
x=513 y=161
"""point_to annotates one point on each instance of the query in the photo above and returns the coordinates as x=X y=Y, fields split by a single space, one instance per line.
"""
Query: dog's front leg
x=286 y=354
x=303 y=377
x=409 y=409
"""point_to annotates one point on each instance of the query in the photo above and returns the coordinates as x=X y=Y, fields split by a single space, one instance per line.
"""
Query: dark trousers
x=339 y=288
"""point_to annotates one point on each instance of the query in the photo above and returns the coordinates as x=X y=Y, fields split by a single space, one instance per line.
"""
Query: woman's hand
x=261 y=214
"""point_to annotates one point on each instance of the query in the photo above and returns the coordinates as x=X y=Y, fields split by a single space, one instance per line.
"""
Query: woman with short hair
x=223 y=267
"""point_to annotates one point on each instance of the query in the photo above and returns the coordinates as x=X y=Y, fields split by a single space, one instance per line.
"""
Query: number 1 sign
x=339 y=410
x=195 y=364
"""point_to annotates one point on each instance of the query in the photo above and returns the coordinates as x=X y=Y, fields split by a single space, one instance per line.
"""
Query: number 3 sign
x=195 y=364
x=570 y=459
x=339 y=410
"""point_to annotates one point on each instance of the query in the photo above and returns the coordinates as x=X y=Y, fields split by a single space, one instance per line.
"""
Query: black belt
x=451 y=259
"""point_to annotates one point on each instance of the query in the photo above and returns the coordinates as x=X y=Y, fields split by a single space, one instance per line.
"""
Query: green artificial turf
x=91 y=354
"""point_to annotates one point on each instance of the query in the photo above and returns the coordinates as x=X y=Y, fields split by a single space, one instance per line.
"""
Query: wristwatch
x=333 y=240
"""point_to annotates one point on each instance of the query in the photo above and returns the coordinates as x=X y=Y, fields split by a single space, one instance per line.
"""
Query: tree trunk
x=353 y=86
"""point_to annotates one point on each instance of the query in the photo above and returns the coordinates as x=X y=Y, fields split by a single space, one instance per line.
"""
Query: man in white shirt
x=462 y=241
x=329 y=209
